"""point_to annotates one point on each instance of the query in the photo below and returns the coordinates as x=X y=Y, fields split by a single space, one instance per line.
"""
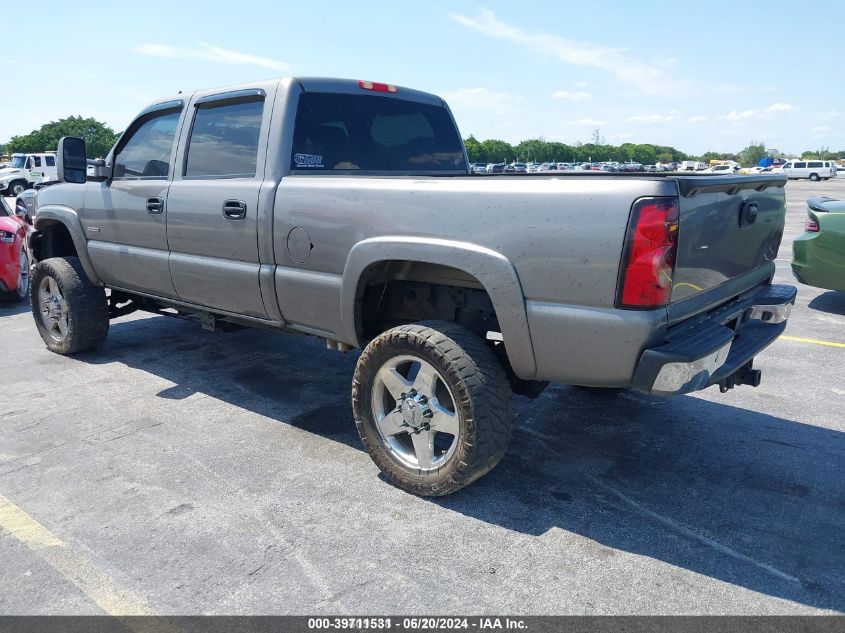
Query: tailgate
x=730 y=226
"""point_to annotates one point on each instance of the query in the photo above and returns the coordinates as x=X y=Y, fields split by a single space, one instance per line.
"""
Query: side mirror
x=22 y=212
x=71 y=163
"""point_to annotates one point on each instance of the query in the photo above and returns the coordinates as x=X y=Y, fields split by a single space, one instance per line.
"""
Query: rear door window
x=338 y=132
x=224 y=140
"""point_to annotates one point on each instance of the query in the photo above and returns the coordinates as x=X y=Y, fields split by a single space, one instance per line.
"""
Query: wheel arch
x=56 y=217
x=493 y=271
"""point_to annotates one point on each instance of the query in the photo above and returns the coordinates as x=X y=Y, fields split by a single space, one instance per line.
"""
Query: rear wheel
x=814 y=177
x=433 y=406
x=70 y=312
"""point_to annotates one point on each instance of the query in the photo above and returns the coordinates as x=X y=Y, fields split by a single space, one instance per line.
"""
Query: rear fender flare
x=52 y=214
x=493 y=270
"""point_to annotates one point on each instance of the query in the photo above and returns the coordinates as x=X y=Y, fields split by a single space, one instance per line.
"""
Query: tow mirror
x=71 y=162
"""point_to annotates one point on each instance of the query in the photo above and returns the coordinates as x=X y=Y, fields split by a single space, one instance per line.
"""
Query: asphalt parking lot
x=181 y=471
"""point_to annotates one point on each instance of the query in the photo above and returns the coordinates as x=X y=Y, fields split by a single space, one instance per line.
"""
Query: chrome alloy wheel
x=53 y=308
x=23 y=275
x=414 y=411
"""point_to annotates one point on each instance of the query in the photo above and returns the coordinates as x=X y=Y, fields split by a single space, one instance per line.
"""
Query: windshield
x=18 y=162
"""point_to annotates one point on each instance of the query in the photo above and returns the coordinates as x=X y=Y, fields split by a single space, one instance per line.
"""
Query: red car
x=14 y=258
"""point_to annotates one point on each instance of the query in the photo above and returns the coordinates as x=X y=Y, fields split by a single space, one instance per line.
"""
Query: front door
x=212 y=219
x=125 y=219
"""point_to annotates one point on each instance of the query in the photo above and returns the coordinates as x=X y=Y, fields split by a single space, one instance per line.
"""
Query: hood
x=10 y=171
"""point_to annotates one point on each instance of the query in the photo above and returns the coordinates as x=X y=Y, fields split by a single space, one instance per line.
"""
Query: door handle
x=155 y=205
x=234 y=209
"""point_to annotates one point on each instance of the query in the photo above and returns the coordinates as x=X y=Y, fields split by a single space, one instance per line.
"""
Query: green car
x=818 y=254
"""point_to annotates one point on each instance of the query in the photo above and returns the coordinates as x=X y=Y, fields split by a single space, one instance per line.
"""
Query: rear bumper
x=713 y=348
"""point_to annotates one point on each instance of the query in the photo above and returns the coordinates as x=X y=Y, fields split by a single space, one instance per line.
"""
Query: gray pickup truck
x=345 y=210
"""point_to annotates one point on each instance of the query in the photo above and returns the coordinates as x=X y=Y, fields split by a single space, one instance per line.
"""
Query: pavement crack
x=690 y=533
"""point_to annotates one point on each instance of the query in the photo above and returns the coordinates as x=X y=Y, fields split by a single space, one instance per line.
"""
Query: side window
x=814 y=164
x=224 y=140
x=146 y=153
x=29 y=163
x=37 y=160
x=788 y=166
x=50 y=161
x=800 y=165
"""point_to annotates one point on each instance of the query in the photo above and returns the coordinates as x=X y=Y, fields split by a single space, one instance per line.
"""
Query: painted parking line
x=93 y=582
x=813 y=341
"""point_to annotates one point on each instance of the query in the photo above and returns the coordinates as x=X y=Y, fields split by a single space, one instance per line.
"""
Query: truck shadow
x=832 y=302
x=737 y=495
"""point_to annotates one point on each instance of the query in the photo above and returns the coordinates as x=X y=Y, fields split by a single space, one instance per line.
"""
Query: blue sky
x=696 y=75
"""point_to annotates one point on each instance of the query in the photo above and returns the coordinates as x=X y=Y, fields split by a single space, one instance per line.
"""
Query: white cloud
x=571 y=96
x=698 y=119
x=745 y=115
x=581 y=84
x=593 y=122
x=821 y=128
x=481 y=99
x=654 y=119
x=628 y=69
x=780 y=107
x=209 y=53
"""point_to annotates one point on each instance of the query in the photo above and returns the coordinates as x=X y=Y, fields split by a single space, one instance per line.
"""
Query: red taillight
x=648 y=261
x=374 y=85
x=811 y=224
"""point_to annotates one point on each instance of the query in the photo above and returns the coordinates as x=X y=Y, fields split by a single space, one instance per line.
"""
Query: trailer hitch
x=745 y=375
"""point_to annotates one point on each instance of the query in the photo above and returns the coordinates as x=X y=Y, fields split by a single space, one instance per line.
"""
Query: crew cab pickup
x=345 y=210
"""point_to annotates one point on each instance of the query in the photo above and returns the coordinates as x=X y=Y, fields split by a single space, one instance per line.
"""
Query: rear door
x=213 y=202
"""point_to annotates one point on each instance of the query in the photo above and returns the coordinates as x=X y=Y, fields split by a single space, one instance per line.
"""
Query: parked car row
x=611 y=166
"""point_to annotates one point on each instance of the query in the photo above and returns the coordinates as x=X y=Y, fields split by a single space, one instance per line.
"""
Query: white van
x=812 y=169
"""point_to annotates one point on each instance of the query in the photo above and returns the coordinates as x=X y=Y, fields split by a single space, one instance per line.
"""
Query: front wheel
x=17 y=188
x=432 y=406
x=71 y=313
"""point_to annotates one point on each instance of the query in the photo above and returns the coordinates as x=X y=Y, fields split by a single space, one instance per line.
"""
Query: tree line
x=100 y=138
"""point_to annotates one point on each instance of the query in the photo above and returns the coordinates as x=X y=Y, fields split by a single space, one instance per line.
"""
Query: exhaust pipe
x=745 y=375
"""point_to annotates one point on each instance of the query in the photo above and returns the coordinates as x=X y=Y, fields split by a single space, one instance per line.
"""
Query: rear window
x=338 y=132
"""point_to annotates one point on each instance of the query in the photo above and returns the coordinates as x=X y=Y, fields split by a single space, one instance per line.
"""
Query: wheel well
x=397 y=292
x=53 y=240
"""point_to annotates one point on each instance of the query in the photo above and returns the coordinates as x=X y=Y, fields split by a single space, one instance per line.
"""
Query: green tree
x=498 y=151
x=475 y=151
x=752 y=154
x=99 y=138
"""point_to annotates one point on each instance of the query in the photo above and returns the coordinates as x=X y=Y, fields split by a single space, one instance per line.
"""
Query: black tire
x=814 y=177
x=17 y=187
x=482 y=398
x=19 y=292
x=87 y=307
